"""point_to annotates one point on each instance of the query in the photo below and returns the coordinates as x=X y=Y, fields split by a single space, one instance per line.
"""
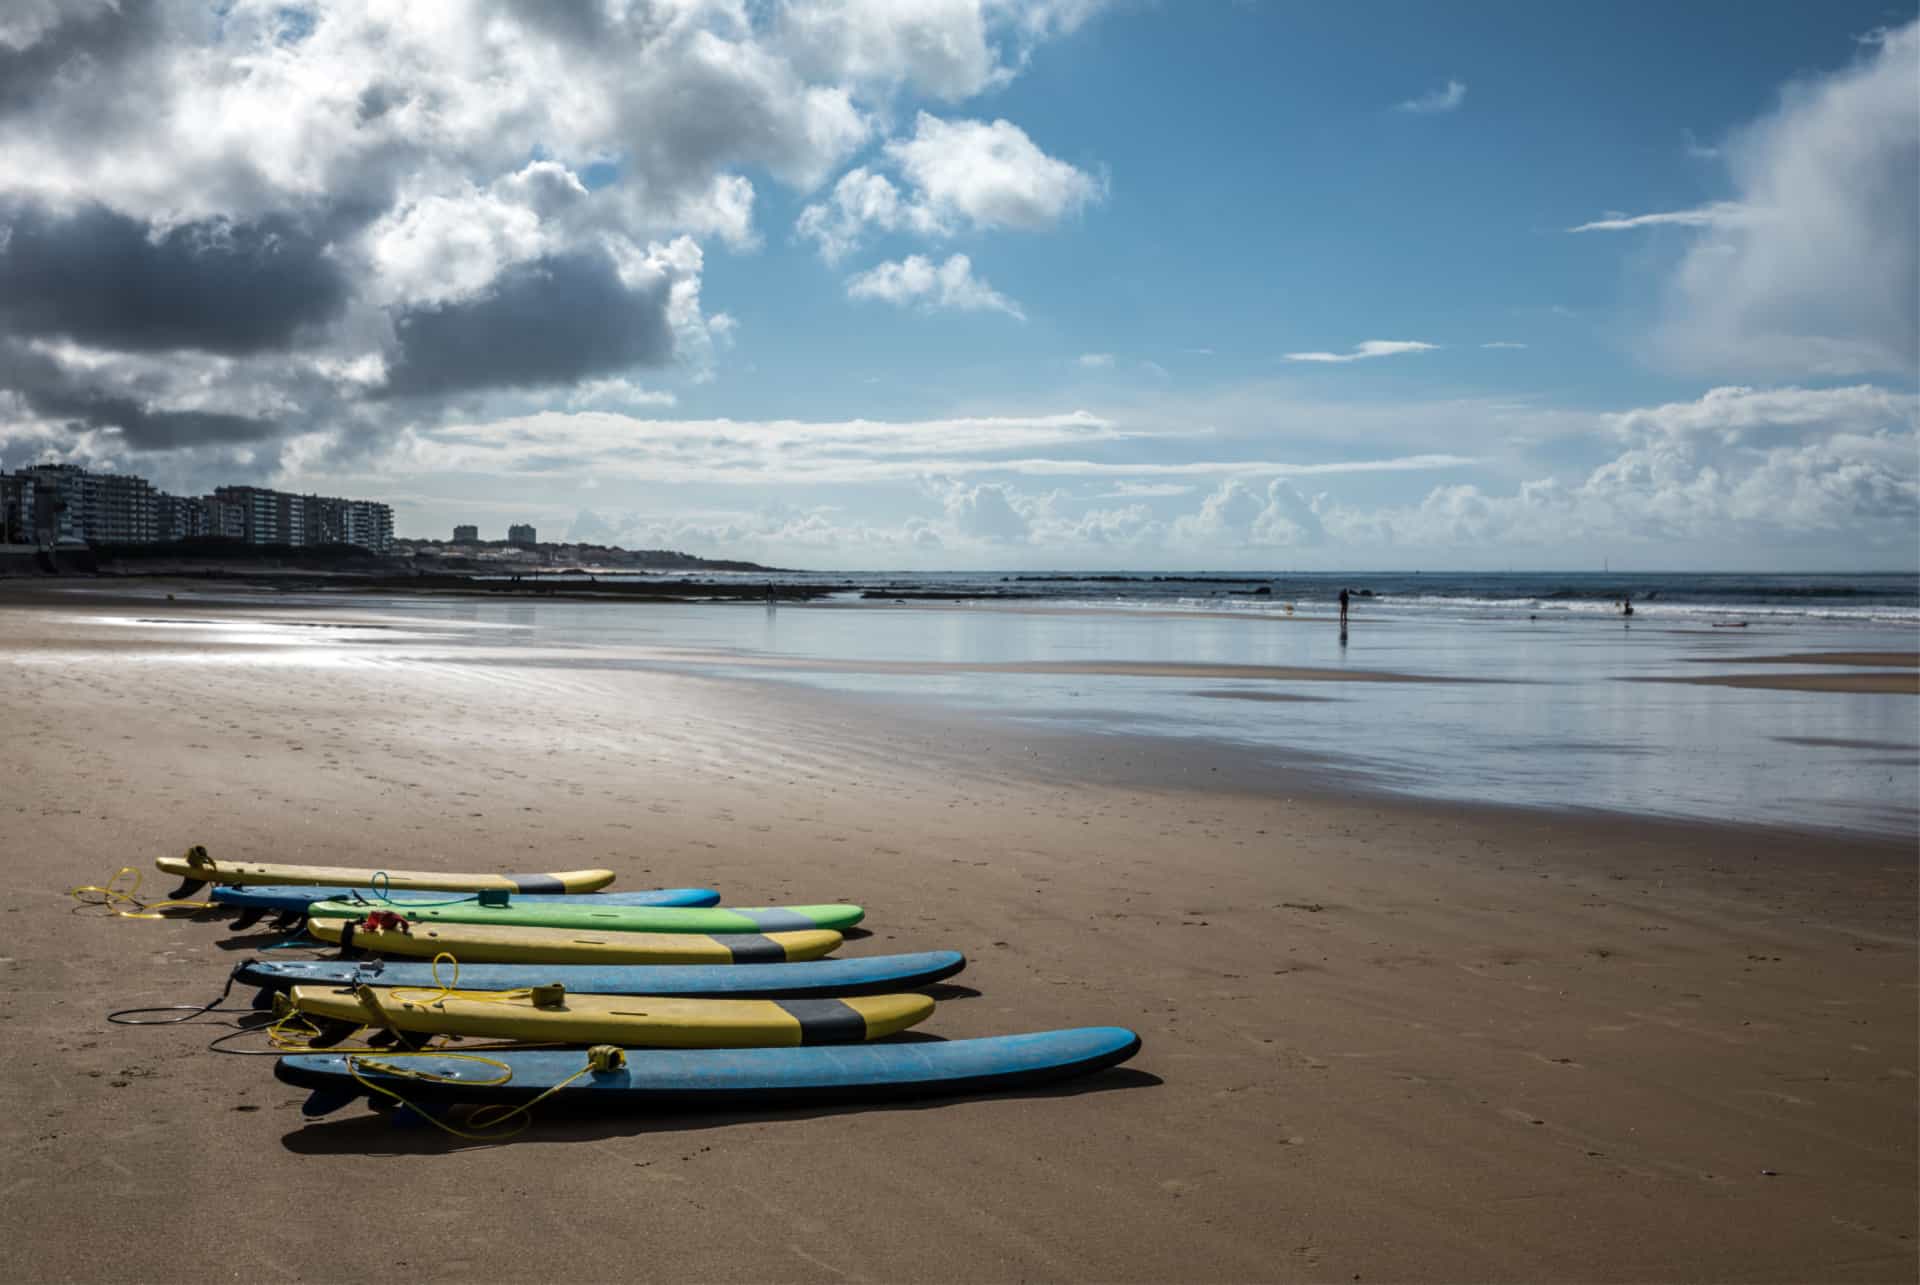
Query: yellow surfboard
x=197 y=868
x=513 y=944
x=632 y=1021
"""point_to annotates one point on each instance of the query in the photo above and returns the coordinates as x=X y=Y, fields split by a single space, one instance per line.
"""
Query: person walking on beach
x=1343 y=611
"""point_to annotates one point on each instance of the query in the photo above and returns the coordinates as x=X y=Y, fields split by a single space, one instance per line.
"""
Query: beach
x=1395 y=1026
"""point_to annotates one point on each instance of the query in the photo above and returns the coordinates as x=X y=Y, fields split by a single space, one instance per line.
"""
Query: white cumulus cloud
x=1829 y=281
x=990 y=175
x=919 y=281
x=1735 y=470
x=1239 y=515
x=948 y=49
x=1812 y=268
x=860 y=201
x=359 y=214
x=960 y=175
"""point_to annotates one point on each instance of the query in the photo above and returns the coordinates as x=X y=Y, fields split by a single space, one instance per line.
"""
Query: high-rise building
x=466 y=535
x=324 y=519
x=179 y=517
x=370 y=525
x=48 y=503
x=121 y=509
x=16 y=509
x=71 y=503
x=226 y=519
x=267 y=517
x=59 y=508
x=522 y=533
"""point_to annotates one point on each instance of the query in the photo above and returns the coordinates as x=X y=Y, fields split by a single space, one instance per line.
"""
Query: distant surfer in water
x=1626 y=605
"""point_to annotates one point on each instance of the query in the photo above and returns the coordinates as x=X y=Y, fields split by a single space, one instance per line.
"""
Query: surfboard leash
x=124 y=1016
x=381 y=886
x=487 y=1126
x=114 y=897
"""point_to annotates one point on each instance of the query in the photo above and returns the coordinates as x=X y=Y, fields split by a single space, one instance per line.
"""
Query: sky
x=1088 y=284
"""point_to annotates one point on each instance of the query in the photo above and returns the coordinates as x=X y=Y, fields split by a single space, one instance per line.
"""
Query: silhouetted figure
x=1626 y=605
x=1343 y=611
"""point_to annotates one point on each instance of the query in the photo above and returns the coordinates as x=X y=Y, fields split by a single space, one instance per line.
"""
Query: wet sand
x=1866 y=659
x=1243 y=694
x=1106 y=668
x=1383 y=1040
x=1888 y=682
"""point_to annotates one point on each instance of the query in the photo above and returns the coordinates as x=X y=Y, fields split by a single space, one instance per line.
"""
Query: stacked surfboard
x=445 y=981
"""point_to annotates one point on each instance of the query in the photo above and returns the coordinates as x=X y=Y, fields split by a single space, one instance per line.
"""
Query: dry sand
x=1382 y=1041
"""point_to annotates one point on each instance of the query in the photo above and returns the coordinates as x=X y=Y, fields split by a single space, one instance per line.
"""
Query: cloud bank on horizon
x=866 y=283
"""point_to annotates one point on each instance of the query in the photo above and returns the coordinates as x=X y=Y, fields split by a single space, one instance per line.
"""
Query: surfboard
x=297 y=897
x=627 y=919
x=638 y=1021
x=197 y=870
x=830 y=977
x=511 y=944
x=717 y=1079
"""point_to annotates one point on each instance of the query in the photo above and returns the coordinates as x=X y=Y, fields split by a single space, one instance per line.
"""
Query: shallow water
x=1509 y=710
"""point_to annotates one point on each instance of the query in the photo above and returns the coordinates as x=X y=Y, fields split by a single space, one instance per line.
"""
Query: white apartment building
x=71 y=503
x=50 y=503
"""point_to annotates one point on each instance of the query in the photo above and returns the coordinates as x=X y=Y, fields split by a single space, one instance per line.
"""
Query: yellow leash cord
x=442 y=989
x=112 y=897
x=601 y=1057
x=293 y=1032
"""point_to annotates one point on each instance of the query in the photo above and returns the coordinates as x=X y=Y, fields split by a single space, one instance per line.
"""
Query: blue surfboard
x=875 y=975
x=682 y=1079
x=297 y=897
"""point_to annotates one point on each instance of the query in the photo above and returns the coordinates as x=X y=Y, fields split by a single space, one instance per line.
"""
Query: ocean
x=1724 y=597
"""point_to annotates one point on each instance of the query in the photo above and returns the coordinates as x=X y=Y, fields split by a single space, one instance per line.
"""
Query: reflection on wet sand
x=1514 y=712
x=1243 y=694
x=1088 y=668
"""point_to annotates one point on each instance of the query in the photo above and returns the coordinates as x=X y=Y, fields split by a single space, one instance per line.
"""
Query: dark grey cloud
x=57 y=394
x=581 y=22
x=551 y=321
x=84 y=44
x=216 y=285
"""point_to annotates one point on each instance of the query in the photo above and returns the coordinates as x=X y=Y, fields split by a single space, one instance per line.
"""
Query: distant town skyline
x=989 y=283
x=51 y=504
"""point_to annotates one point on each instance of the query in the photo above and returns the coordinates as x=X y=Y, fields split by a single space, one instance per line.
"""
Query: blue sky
x=1266 y=197
x=1020 y=283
